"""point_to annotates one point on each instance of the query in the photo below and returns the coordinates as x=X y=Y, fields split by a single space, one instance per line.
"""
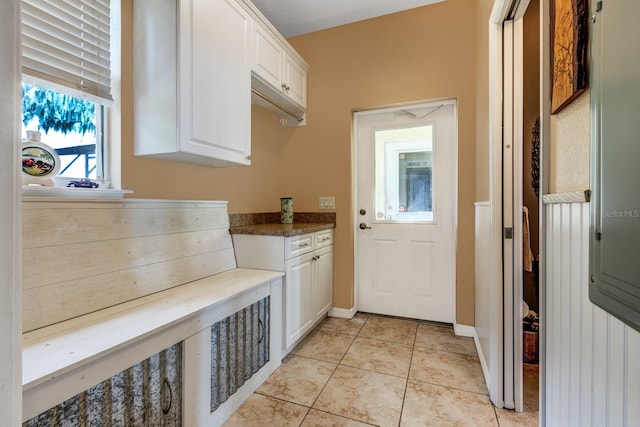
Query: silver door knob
x=363 y=226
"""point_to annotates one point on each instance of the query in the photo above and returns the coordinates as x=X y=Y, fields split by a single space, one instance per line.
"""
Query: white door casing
x=10 y=218
x=512 y=211
x=505 y=146
x=405 y=263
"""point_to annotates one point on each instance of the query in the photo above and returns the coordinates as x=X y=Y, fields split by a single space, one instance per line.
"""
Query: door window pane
x=404 y=174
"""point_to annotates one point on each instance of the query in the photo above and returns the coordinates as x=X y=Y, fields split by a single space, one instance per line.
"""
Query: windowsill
x=30 y=190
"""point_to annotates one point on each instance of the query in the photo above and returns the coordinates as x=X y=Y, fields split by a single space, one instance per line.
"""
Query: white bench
x=108 y=283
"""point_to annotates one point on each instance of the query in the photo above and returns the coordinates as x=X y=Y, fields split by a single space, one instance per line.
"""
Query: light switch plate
x=327 y=203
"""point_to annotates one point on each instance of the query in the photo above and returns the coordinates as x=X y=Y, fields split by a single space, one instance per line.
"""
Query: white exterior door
x=405 y=211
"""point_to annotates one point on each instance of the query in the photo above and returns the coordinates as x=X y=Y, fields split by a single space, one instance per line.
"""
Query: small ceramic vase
x=286 y=210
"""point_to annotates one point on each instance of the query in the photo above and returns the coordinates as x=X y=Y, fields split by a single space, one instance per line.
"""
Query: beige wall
x=482 y=99
x=422 y=54
x=569 y=147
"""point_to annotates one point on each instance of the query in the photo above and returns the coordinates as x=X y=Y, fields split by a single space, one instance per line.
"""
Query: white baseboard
x=220 y=415
x=483 y=360
x=345 y=313
x=464 y=330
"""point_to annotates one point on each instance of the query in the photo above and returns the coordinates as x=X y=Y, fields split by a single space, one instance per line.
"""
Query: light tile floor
x=373 y=370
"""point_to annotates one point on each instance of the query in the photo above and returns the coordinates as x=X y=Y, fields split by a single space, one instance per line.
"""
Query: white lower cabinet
x=308 y=292
x=323 y=281
x=298 y=295
x=307 y=261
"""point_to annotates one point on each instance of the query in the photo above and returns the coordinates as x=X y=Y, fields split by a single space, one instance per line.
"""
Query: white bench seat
x=110 y=283
x=73 y=355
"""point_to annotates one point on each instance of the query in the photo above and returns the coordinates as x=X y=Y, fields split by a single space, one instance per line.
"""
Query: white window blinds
x=67 y=42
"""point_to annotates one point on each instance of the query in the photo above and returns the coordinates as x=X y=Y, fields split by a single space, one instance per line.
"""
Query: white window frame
x=108 y=124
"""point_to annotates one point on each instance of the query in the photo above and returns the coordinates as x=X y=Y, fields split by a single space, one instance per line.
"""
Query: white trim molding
x=574 y=197
x=10 y=218
x=464 y=330
x=483 y=360
x=344 y=313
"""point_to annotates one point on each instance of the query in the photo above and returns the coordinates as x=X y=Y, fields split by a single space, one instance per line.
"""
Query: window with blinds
x=68 y=43
x=66 y=66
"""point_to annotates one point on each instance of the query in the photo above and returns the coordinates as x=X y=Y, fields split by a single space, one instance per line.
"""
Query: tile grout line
x=331 y=376
x=407 y=377
x=406 y=384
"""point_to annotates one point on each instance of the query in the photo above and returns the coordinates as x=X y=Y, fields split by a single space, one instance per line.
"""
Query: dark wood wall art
x=535 y=157
x=569 y=77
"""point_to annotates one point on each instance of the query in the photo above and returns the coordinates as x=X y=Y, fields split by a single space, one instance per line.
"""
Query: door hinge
x=508 y=233
x=598 y=236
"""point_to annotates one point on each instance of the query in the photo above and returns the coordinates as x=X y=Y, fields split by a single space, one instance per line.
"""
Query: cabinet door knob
x=166 y=396
x=260 y=331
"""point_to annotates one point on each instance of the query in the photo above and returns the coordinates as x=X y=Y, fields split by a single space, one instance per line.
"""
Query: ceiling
x=295 y=17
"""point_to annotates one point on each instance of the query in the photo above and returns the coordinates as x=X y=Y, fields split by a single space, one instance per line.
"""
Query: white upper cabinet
x=276 y=67
x=279 y=74
x=268 y=57
x=295 y=79
x=192 y=81
x=198 y=66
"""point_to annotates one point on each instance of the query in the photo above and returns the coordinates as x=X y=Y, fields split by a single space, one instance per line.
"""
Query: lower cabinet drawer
x=298 y=245
x=147 y=394
x=323 y=238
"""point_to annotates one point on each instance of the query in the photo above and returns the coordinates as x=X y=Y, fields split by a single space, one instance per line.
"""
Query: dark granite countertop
x=285 y=230
x=268 y=224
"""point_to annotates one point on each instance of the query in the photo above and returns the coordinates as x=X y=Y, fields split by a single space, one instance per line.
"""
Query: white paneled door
x=405 y=210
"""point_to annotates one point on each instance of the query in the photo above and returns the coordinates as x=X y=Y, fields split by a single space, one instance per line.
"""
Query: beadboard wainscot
x=592 y=375
x=109 y=283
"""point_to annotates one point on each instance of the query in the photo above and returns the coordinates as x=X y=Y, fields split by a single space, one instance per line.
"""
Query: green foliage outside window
x=57 y=111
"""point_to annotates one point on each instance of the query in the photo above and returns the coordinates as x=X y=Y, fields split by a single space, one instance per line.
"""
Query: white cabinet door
x=298 y=294
x=192 y=81
x=295 y=79
x=279 y=70
x=323 y=281
x=268 y=57
x=215 y=81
